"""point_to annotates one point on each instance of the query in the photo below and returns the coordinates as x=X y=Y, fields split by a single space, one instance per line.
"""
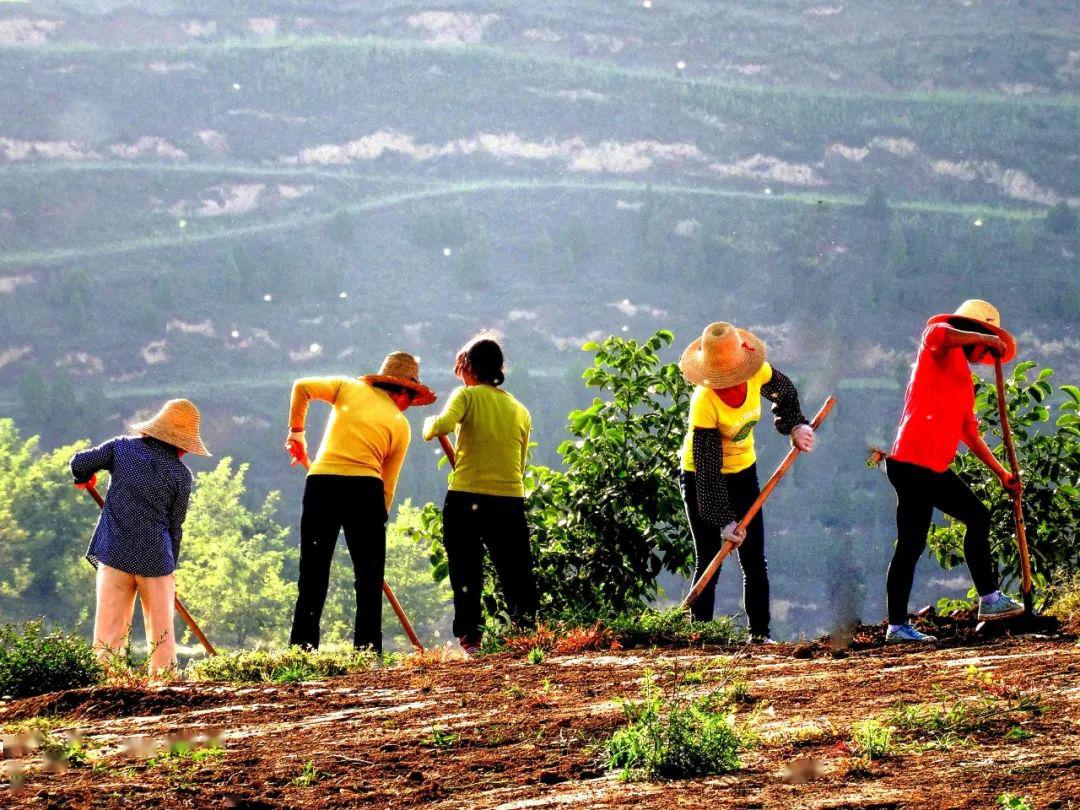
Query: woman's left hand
x=803 y=438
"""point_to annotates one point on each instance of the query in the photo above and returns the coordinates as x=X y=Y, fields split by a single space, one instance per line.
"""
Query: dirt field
x=500 y=732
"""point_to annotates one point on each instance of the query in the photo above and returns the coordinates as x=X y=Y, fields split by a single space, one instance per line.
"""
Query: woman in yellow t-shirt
x=485 y=505
x=719 y=471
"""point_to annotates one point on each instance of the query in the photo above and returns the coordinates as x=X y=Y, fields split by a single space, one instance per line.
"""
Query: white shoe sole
x=994 y=617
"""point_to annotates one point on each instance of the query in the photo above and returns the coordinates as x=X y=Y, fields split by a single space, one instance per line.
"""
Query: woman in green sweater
x=485 y=505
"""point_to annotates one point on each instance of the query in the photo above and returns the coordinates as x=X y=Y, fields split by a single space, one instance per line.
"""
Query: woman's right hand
x=296 y=445
x=87 y=485
x=733 y=534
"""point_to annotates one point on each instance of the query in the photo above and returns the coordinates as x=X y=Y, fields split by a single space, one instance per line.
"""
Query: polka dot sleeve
x=780 y=391
x=713 y=502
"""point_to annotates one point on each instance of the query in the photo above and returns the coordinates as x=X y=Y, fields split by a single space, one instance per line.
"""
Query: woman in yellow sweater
x=485 y=505
x=351 y=486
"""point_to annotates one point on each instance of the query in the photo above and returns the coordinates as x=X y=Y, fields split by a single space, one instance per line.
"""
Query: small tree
x=1049 y=459
x=233 y=561
x=606 y=525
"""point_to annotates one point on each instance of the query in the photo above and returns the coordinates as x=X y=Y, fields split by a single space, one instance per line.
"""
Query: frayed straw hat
x=177 y=423
x=401 y=368
x=723 y=356
x=984 y=314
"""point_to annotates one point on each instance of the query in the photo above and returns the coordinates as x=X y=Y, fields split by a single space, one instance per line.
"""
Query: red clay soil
x=499 y=732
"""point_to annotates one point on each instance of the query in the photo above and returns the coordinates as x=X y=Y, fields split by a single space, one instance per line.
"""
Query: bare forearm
x=954 y=337
x=974 y=440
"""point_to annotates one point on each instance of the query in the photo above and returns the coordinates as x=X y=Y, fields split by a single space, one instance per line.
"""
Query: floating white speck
x=646 y=3
x=268 y=298
x=681 y=65
x=977 y=223
x=182 y=223
x=768 y=191
x=446 y=251
x=235 y=334
x=235 y=86
x=314 y=348
x=626 y=328
x=343 y=295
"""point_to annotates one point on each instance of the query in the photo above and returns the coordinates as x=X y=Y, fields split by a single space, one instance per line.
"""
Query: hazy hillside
x=208 y=201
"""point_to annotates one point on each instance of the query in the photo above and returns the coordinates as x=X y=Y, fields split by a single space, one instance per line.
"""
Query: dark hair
x=484 y=358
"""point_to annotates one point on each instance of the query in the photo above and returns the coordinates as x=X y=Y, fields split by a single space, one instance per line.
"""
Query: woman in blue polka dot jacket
x=719 y=469
x=137 y=539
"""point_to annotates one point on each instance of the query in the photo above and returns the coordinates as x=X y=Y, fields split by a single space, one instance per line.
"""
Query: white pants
x=116 y=591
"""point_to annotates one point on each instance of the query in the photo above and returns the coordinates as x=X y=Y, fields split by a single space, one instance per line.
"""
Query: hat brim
x=988 y=358
x=423 y=394
x=190 y=444
x=698 y=372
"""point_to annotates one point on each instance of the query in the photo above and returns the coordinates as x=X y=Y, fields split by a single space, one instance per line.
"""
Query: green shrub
x=672 y=627
x=670 y=737
x=1010 y=801
x=33 y=662
x=1065 y=601
x=280 y=666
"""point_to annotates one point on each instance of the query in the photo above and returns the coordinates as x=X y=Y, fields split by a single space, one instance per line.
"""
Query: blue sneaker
x=906 y=632
x=1003 y=608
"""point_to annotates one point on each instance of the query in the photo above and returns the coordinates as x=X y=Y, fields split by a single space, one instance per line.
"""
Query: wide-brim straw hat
x=986 y=315
x=722 y=357
x=401 y=368
x=177 y=423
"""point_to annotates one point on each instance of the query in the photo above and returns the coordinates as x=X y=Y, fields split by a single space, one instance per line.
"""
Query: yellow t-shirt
x=492 y=439
x=736 y=424
x=366 y=433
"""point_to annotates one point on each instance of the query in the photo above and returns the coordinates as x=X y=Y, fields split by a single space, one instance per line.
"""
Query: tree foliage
x=611 y=520
x=1047 y=440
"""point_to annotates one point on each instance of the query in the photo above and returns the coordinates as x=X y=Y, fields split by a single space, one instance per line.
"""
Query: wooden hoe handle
x=1017 y=496
x=751 y=513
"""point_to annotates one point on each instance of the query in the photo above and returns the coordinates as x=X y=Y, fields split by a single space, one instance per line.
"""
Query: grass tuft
x=33 y=662
x=280 y=666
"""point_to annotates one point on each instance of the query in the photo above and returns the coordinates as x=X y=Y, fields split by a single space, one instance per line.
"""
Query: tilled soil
x=500 y=732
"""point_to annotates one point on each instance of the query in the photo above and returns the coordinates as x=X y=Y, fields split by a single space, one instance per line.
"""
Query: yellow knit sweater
x=366 y=433
x=492 y=441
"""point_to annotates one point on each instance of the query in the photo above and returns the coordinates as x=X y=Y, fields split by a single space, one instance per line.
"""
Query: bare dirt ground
x=500 y=732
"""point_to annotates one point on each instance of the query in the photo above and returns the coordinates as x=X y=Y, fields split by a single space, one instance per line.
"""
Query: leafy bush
x=280 y=666
x=668 y=736
x=1049 y=459
x=33 y=662
x=1065 y=602
x=674 y=626
x=606 y=525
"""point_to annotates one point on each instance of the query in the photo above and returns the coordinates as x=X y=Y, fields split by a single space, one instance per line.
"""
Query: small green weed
x=871 y=739
x=1018 y=734
x=441 y=738
x=536 y=656
x=309 y=775
x=1010 y=801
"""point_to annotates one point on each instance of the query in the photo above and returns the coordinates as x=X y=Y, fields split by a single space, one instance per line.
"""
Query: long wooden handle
x=448 y=449
x=406 y=625
x=755 y=507
x=183 y=611
x=1016 y=495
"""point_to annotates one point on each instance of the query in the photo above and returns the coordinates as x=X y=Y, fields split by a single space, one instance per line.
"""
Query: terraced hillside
x=211 y=201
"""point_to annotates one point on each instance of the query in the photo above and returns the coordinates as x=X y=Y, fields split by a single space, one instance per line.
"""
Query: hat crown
x=722 y=345
x=176 y=423
x=400 y=364
x=976 y=309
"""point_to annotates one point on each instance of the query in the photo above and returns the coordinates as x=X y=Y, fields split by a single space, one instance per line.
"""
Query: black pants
x=918 y=491
x=743 y=490
x=332 y=503
x=471 y=522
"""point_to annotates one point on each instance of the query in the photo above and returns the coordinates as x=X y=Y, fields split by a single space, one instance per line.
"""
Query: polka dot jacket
x=714 y=505
x=141 y=526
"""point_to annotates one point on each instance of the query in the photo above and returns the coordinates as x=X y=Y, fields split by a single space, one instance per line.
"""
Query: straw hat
x=177 y=423
x=723 y=356
x=985 y=315
x=401 y=368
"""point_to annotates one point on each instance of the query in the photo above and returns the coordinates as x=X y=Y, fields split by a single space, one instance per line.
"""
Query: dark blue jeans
x=743 y=490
